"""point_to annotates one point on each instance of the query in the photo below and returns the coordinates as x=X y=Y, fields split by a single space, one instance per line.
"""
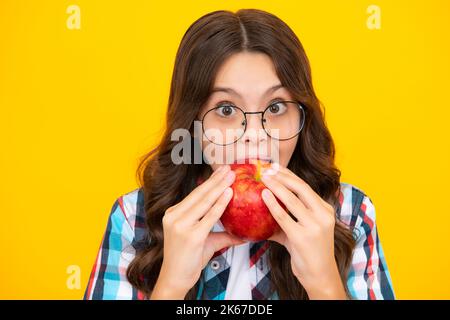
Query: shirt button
x=215 y=265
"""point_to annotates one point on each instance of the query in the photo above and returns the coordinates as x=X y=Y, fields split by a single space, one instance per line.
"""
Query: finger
x=217 y=170
x=206 y=193
x=279 y=236
x=315 y=205
x=216 y=211
x=292 y=203
x=216 y=241
x=202 y=189
x=286 y=223
x=290 y=183
x=300 y=187
x=220 y=240
x=214 y=173
x=198 y=210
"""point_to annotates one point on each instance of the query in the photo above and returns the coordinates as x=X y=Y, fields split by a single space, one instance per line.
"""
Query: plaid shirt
x=368 y=278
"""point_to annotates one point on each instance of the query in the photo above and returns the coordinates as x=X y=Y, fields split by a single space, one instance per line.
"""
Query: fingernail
x=230 y=177
x=265 y=194
x=266 y=178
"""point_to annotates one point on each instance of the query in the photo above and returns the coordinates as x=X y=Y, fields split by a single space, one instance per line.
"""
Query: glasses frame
x=300 y=106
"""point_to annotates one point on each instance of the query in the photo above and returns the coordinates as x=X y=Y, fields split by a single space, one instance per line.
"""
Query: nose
x=254 y=132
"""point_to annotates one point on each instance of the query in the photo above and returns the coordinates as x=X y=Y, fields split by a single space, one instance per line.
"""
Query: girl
x=245 y=72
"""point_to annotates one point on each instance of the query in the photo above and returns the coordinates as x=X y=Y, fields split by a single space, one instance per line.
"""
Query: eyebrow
x=234 y=92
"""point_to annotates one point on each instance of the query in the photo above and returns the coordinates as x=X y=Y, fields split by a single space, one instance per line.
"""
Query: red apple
x=247 y=215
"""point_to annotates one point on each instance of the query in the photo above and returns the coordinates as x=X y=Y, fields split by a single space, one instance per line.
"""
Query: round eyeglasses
x=227 y=123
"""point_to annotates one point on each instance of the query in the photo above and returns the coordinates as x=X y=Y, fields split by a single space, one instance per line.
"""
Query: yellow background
x=78 y=108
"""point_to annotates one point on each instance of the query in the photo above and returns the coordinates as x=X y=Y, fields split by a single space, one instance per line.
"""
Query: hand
x=310 y=239
x=188 y=242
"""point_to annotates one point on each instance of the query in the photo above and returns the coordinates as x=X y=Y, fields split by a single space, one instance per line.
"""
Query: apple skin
x=246 y=215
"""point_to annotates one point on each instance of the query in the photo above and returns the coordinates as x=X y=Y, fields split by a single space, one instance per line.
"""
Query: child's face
x=249 y=76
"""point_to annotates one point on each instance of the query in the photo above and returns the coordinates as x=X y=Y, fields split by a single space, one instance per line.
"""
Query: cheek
x=286 y=150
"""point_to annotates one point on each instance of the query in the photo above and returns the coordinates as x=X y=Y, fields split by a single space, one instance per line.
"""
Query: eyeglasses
x=227 y=123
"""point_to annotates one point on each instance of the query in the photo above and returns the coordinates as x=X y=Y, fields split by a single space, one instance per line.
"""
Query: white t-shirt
x=238 y=287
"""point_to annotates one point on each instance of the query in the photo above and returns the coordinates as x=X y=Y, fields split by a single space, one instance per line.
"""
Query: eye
x=277 y=108
x=225 y=110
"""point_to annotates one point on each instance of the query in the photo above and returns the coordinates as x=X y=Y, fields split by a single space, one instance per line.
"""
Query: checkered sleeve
x=108 y=280
x=369 y=277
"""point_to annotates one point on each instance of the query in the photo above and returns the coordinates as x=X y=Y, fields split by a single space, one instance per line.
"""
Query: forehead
x=249 y=72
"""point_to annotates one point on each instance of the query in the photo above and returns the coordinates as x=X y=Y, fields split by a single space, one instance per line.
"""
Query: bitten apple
x=247 y=215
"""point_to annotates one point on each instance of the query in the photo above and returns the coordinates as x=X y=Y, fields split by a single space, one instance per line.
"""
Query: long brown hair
x=204 y=47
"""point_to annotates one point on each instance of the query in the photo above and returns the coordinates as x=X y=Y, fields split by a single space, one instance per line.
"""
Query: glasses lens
x=224 y=124
x=283 y=120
